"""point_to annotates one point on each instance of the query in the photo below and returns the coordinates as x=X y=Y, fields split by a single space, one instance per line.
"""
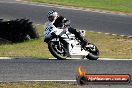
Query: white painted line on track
x=67 y=7
x=86 y=58
x=129 y=36
x=5 y=58
x=76 y=8
x=73 y=58
x=38 y=24
x=99 y=32
x=67 y=58
x=107 y=33
x=113 y=59
x=49 y=80
x=41 y=81
x=18 y=0
x=114 y=34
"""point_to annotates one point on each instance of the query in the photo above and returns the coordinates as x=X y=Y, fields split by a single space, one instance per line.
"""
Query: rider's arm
x=50 y=28
x=59 y=22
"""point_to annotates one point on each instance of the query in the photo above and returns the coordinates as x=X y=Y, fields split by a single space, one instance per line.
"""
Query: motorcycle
x=63 y=45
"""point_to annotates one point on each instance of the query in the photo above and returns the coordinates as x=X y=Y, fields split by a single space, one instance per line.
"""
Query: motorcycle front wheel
x=93 y=52
x=58 y=50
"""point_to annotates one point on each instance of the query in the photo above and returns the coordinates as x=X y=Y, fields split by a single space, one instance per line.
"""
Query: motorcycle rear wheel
x=57 y=50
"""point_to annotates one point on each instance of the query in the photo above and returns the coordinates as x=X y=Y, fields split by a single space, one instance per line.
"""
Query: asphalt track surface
x=43 y=69
x=40 y=69
x=90 y=21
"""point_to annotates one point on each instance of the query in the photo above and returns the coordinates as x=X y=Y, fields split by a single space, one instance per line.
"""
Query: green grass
x=32 y=48
x=110 y=46
x=37 y=85
x=114 y=5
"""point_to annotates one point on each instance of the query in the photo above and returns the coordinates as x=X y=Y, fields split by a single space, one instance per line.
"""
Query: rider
x=57 y=22
x=61 y=22
x=52 y=16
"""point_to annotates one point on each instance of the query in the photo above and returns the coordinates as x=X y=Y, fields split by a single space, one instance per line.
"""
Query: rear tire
x=60 y=54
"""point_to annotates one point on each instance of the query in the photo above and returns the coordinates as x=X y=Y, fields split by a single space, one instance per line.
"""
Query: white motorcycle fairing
x=74 y=48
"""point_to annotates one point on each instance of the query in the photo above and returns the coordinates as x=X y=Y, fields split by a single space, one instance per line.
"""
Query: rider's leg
x=77 y=35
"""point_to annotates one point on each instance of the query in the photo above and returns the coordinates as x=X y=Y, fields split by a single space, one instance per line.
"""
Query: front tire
x=93 y=52
x=57 y=50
